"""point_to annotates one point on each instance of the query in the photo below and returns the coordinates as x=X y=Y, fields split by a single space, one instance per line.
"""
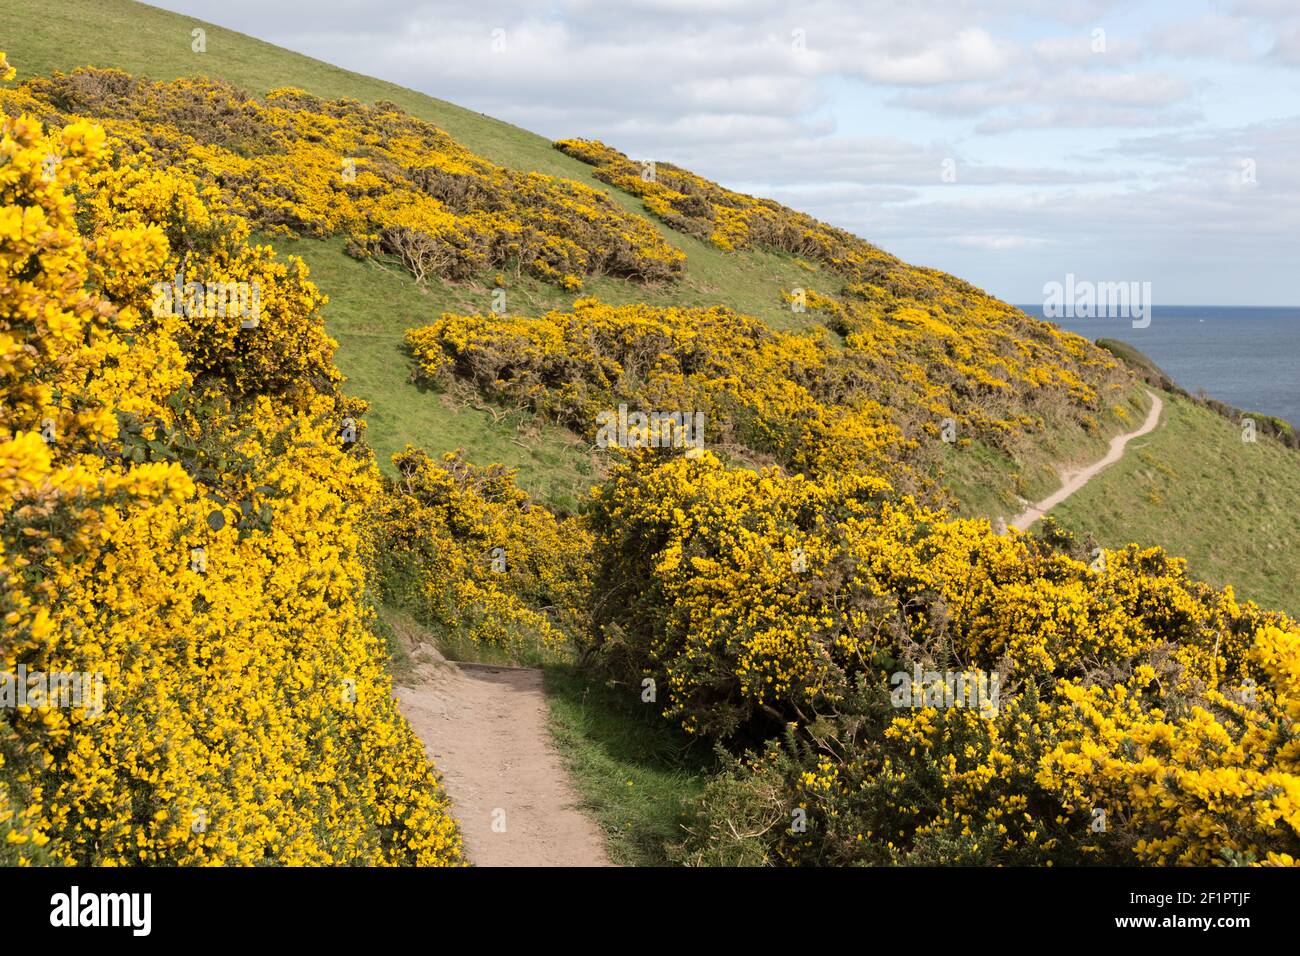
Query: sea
x=1246 y=356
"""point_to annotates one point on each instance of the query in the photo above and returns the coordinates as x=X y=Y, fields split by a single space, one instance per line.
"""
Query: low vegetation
x=1226 y=505
x=802 y=643
x=638 y=776
x=183 y=528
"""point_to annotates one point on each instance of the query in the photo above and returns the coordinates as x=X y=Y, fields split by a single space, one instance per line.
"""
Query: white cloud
x=1212 y=35
x=970 y=54
x=849 y=109
x=1085 y=117
x=1129 y=89
x=1000 y=243
x=1286 y=44
x=1083 y=49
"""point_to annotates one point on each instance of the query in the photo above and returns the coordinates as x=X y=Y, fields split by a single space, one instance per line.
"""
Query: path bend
x=1074 y=480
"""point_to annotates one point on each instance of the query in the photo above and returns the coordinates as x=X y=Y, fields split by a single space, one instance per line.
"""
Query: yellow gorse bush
x=488 y=562
x=179 y=519
x=392 y=184
x=784 y=396
x=794 y=398
x=928 y=342
x=728 y=219
x=1127 y=689
x=183 y=511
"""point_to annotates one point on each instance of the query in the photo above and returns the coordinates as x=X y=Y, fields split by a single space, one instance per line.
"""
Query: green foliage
x=637 y=776
x=1226 y=505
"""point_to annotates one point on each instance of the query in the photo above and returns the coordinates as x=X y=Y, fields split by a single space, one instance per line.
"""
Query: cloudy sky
x=1007 y=141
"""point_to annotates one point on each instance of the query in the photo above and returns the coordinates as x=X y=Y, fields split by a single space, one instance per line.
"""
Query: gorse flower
x=933 y=346
x=489 y=563
x=248 y=715
x=181 y=512
x=392 y=184
x=1136 y=692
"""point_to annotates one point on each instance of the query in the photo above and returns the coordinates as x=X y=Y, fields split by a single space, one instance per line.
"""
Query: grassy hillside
x=557 y=466
x=146 y=41
x=991 y=483
x=1194 y=486
x=554 y=466
x=767 y=613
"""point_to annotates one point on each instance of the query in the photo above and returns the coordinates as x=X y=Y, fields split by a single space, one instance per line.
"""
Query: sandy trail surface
x=1074 y=480
x=484 y=728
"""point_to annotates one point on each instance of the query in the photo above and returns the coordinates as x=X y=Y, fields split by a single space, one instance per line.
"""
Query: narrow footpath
x=1074 y=480
x=484 y=727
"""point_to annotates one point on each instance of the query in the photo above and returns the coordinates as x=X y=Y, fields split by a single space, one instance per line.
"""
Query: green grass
x=398 y=623
x=637 y=776
x=1193 y=486
x=990 y=483
x=41 y=36
x=370 y=308
x=400 y=633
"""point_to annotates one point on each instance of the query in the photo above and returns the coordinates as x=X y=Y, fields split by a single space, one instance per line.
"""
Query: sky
x=1009 y=142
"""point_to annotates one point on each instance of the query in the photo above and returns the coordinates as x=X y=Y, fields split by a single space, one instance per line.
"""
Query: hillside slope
x=146 y=41
x=728 y=264
x=756 y=281
x=1228 y=506
x=783 y=593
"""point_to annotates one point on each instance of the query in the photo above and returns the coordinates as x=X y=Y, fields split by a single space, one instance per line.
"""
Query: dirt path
x=1073 y=481
x=485 y=728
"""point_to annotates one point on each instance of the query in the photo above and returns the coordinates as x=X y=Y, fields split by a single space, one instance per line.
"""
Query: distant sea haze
x=1247 y=357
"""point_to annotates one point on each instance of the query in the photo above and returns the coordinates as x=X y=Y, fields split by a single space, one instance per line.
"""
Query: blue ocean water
x=1247 y=357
